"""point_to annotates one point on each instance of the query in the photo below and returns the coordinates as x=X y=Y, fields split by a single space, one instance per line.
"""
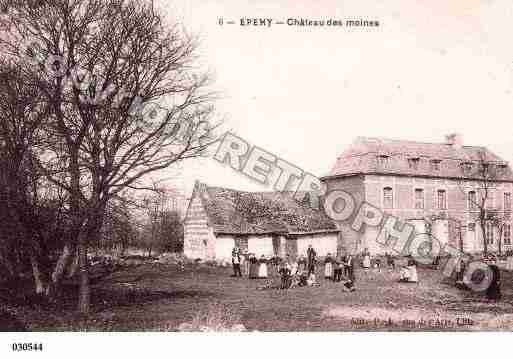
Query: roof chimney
x=455 y=140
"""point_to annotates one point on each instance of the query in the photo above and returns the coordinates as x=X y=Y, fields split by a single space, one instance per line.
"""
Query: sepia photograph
x=220 y=166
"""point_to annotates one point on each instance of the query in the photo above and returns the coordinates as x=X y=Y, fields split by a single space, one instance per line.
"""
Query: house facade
x=436 y=187
x=263 y=223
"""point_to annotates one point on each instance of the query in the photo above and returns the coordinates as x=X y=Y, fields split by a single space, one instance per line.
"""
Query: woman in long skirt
x=412 y=270
x=494 y=289
x=253 y=266
x=328 y=267
x=262 y=269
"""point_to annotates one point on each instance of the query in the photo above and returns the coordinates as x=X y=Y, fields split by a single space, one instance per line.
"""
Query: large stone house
x=264 y=223
x=425 y=184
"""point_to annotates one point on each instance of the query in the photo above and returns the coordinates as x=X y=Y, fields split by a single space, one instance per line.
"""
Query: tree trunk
x=500 y=240
x=84 y=295
x=38 y=277
x=59 y=270
x=485 y=243
x=8 y=266
x=72 y=270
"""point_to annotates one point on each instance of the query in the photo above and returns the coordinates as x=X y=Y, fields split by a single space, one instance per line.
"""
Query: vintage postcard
x=195 y=166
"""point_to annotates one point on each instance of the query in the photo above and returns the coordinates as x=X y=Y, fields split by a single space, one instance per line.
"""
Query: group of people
x=248 y=263
x=302 y=272
x=338 y=268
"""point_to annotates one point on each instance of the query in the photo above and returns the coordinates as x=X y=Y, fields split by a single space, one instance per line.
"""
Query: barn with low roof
x=264 y=223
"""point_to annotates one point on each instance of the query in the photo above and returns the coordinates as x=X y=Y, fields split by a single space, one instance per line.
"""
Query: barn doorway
x=276 y=245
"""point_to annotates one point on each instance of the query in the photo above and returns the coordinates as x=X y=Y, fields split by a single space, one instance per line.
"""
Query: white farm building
x=264 y=223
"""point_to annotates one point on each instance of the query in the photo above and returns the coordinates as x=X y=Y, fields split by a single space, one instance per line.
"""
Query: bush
x=214 y=318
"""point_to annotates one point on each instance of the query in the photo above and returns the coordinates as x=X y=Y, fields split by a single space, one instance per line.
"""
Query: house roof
x=368 y=155
x=231 y=211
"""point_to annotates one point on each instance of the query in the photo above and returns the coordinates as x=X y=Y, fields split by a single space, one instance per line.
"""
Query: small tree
x=171 y=231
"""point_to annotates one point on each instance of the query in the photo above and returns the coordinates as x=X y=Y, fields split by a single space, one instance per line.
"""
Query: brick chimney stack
x=455 y=140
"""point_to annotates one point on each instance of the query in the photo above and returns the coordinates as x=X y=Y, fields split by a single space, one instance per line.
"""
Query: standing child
x=390 y=261
x=328 y=267
x=285 y=274
x=339 y=266
x=236 y=263
x=349 y=267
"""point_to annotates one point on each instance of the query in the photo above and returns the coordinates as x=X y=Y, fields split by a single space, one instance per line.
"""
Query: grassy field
x=162 y=297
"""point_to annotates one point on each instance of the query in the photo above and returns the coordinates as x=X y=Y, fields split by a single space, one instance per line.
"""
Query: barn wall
x=323 y=243
x=223 y=246
x=261 y=245
x=197 y=233
x=349 y=241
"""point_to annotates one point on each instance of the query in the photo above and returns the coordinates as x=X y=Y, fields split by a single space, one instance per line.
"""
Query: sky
x=431 y=68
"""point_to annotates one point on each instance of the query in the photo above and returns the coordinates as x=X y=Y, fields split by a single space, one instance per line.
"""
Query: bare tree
x=479 y=178
x=106 y=65
x=155 y=205
x=21 y=119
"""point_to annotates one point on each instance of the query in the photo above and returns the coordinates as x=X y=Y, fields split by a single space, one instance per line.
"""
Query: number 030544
x=27 y=347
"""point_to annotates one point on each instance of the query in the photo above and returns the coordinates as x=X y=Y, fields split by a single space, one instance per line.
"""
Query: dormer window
x=413 y=163
x=466 y=166
x=384 y=161
x=435 y=165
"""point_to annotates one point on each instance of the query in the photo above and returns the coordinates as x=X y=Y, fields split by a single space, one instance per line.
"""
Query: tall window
x=507 y=234
x=472 y=200
x=388 y=198
x=507 y=201
x=419 y=198
x=489 y=232
x=441 y=199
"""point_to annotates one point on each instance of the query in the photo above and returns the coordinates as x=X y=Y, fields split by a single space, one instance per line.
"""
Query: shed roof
x=232 y=211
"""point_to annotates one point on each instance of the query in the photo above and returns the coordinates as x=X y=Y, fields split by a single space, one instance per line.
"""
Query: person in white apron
x=404 y=274
x=413 y=273
x=262 y=269
x=311 y=281
x=412 y=270
x=328 y=267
